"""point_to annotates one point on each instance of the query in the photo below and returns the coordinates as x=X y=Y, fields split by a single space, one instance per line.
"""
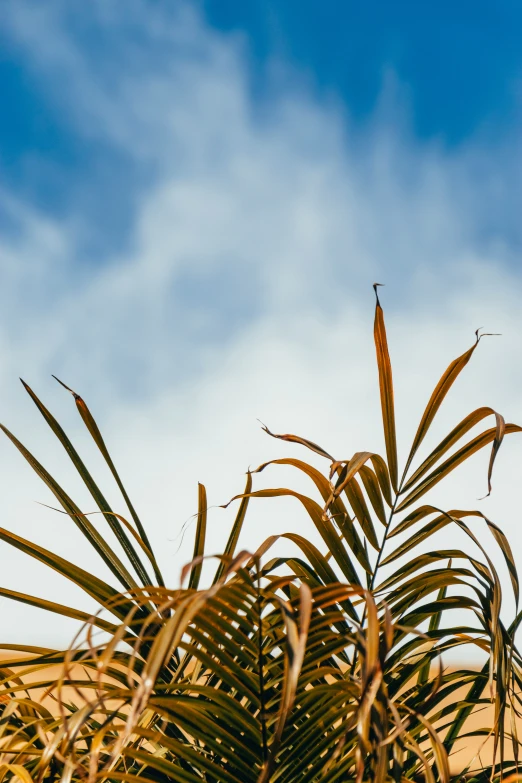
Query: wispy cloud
x=243 y=286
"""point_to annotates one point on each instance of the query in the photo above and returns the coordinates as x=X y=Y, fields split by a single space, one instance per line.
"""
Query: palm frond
x=319 y=667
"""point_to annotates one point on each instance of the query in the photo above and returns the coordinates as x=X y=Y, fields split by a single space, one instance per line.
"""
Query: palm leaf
x=280 y=670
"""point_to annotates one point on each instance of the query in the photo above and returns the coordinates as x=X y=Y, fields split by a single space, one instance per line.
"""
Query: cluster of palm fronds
x=323 y=666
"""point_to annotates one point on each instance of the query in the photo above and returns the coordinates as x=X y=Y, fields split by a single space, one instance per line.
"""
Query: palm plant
x=323 y=666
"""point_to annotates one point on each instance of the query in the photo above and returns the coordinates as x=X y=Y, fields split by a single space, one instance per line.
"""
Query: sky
x=195 y=199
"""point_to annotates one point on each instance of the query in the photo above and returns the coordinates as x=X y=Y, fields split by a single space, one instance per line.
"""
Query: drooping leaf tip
x=485 y=334
x=76 y=396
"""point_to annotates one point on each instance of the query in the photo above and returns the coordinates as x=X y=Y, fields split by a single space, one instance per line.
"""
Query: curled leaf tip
x=375 y=285
x=485 y=334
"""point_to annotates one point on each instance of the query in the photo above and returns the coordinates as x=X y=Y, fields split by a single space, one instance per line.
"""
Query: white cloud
x=244 y=292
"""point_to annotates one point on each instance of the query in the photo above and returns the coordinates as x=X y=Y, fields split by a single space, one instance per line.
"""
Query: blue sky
x=461 y=62
x=457 y=70
x=195 y=200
